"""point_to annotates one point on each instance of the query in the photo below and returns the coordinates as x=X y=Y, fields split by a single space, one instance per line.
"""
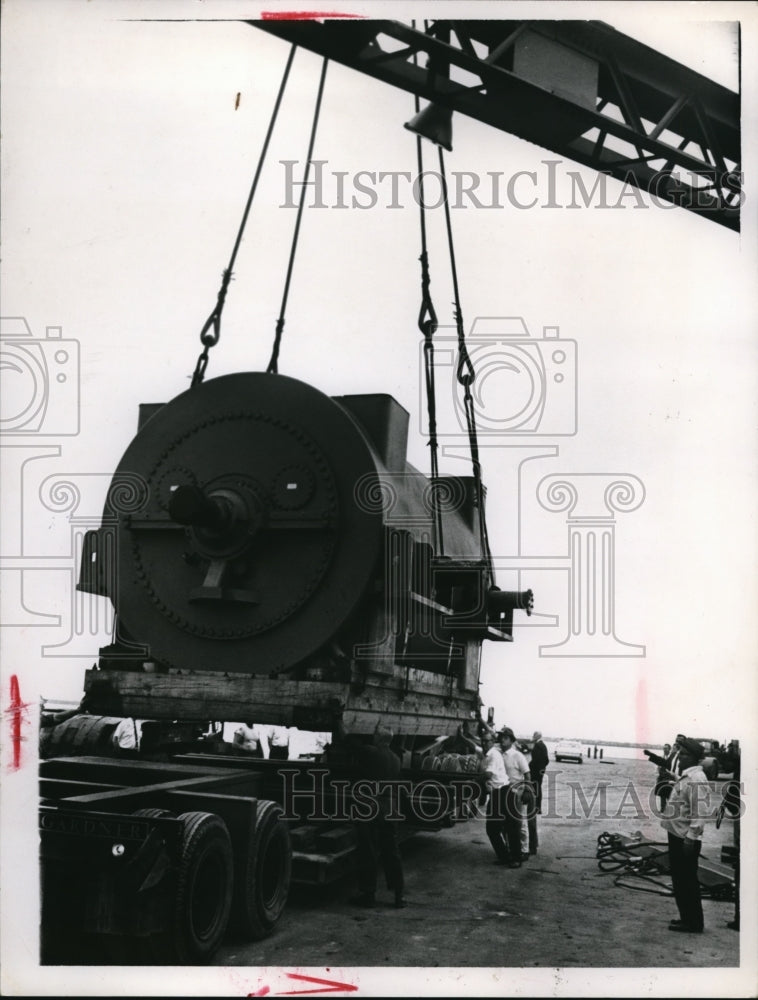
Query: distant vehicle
x=569 y=751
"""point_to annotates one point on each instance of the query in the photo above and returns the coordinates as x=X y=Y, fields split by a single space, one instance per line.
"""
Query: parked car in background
x=569 y=751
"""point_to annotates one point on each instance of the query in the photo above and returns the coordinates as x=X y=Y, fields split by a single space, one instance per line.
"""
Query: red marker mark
x=261 y=992
x=302 y=15
x=331 y=986
x=16 y=710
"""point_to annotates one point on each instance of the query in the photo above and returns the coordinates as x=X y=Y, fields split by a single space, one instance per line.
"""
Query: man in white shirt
x=126 y=735
x=279 y=742
x=252 y=739
x=497 y=783
x=517 y=770
x=687 y=808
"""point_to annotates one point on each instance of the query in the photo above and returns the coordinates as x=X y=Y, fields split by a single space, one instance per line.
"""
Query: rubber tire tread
x=201 y=831
x=253 y=917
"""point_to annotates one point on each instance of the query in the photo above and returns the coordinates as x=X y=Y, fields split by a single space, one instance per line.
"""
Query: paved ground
x=559 y=910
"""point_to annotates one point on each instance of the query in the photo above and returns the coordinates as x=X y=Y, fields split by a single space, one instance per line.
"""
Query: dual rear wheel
x=209 y=894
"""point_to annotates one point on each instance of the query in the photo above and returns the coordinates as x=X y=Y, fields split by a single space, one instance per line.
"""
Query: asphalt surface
x=557 y=910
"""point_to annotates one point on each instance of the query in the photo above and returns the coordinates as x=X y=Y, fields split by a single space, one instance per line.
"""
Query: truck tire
x=81 y=734
x=261 y=893
x=204 y=882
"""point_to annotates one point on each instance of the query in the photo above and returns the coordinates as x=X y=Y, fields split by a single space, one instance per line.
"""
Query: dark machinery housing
x=275 y=543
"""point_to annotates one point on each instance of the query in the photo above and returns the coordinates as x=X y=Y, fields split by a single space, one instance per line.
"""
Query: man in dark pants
x=374 y=766
x=537 y=765
x=529 y=804
x=517 y=771
x=684 y=822
x=496 y=781
x=279 y=743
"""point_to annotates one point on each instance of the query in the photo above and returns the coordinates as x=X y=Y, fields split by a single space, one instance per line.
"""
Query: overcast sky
x=127 y=159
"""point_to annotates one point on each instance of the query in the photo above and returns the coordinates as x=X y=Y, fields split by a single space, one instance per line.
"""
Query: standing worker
x=537 y=767
x=376 y=834
x=688 y=807
x=517 y=770
x=666 y=772
x=496 y=781
x=279 y=742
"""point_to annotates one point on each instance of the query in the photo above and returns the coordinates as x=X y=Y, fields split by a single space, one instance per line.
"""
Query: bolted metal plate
x=286 y=554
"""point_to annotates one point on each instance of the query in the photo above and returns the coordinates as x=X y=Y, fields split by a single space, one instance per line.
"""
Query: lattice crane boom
x=578 y=88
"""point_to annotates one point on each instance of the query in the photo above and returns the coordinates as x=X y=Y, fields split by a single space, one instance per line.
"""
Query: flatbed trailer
x=155 y=861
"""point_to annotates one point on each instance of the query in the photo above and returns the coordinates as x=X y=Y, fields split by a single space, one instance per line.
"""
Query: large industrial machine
x=276 y=543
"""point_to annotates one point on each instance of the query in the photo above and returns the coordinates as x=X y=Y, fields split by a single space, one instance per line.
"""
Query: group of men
x=515 y=792
x=514 y=788
x=515 y=795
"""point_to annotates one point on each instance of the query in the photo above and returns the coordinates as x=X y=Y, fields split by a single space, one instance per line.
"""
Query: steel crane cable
x=211 y=331
x=427 y=324
x=465 y=371
x=272 y=368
